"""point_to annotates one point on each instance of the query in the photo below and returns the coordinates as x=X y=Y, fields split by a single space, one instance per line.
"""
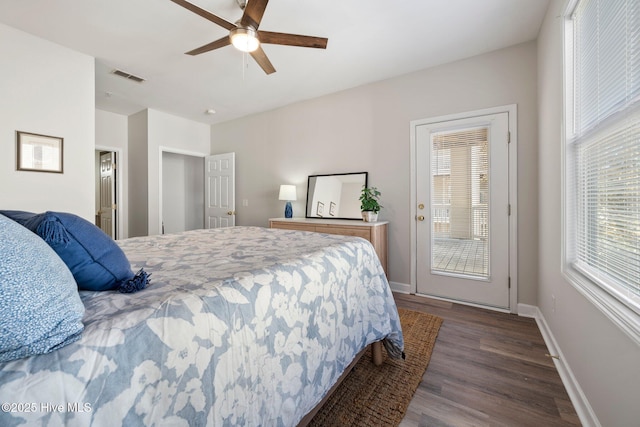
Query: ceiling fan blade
x=270 y=37
x=253 y=13
x=205 y=14
x=224 y=41
x=263 y=61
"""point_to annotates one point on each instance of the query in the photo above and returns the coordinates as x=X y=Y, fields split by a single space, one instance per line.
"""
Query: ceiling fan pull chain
x=244 y=64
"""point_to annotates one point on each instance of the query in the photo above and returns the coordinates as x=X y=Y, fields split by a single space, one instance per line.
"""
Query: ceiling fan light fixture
x=244 y=39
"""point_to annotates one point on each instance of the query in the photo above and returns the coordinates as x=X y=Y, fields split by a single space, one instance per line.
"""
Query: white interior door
x=462 y=195
x=108 y=194
x=220 y=203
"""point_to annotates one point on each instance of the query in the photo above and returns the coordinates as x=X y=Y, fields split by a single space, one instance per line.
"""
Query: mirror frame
x=306 y=210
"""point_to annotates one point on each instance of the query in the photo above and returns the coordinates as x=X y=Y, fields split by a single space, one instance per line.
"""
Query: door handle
x=231 y=213
x=420 y=217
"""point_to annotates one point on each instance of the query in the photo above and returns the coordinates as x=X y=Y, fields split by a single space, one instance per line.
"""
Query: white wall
x=150 y=133
x=167 y=132
x=367 y=129
x=604 y=361
x=111 y=135
x=46 y=89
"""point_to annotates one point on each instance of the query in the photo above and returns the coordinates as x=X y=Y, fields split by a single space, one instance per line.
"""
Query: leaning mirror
x=335 y=196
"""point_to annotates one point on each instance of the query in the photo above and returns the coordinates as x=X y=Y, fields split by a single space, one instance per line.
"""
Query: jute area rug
x=379 y=395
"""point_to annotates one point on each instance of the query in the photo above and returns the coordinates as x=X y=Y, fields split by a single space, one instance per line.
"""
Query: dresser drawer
x=376 y=233
x=345 y=231
x=294 y=226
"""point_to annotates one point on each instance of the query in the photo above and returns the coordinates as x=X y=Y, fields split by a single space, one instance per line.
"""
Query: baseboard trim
x=526 y=310
x=580 y=403
x=402 y=288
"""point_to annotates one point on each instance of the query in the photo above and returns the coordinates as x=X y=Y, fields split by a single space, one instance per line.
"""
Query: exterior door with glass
x=462 y=195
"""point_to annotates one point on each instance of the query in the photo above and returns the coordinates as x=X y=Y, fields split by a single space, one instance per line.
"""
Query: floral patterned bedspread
x=239 y=326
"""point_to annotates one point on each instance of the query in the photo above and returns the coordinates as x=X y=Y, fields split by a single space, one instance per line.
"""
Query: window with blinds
x=603 y=146
x=459 y=202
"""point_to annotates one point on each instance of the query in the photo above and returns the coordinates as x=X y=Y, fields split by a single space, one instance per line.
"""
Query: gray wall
x=367 y=129
x=604 y=361
x=182 y=192
x=138 y=174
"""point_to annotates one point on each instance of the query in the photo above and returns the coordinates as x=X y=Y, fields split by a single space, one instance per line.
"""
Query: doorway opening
x=182 y=192
x=107 y=194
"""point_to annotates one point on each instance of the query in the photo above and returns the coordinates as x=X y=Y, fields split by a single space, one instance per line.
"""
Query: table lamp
x=287 y=193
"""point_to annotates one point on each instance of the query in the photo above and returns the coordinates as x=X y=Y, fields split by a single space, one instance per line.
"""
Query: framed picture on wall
x=39 y=153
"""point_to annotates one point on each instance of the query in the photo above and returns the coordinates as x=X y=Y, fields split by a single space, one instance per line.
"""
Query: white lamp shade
x=287 y=192
x=244 y=39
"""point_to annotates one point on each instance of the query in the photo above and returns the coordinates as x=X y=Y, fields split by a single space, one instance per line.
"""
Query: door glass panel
x=459 y=202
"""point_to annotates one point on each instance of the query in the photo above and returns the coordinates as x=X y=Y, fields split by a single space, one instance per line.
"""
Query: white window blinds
x=459 y=201
x=604 y=145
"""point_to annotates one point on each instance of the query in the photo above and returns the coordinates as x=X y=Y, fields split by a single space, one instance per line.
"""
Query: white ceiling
x=368 y=41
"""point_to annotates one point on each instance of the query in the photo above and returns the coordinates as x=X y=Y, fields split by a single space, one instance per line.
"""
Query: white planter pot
x=369 y=216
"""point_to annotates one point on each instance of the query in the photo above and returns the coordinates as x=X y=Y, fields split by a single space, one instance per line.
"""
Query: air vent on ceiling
x=128 y=76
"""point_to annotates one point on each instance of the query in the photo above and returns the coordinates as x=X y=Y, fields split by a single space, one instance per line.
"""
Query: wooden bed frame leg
x=376 y=352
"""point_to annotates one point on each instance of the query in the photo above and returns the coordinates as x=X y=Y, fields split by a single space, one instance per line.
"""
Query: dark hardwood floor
x=487 y=369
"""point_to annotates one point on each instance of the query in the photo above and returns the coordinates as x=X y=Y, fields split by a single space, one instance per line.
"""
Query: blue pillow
x=39 y=303
x=18 y=216
x=95 y=260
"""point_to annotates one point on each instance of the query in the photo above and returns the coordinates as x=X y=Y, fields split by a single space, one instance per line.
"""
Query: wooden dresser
x=375 y=232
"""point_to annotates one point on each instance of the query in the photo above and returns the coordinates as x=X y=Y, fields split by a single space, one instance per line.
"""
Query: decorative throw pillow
x=39 y=302
x=18 y=216
x=95 y=259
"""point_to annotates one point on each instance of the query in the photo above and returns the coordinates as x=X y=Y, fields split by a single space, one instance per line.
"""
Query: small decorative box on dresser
x=375 y=232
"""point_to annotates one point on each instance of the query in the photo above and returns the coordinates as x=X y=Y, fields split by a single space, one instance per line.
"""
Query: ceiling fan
x=245 y=36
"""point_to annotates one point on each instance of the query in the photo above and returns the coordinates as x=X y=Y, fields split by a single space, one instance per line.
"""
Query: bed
x=238 y=326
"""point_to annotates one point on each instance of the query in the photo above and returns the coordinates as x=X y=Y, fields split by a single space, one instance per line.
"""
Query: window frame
x=617 y=305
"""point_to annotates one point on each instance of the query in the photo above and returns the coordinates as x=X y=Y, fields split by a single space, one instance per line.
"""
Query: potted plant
x=369 y=203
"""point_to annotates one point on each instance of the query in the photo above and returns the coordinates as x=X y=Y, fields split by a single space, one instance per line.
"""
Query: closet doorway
x=182 y=192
